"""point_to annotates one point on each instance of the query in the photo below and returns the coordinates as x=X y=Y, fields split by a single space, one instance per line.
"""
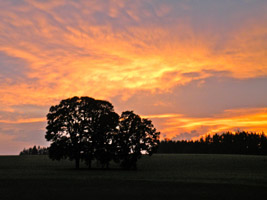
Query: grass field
x=169 y=176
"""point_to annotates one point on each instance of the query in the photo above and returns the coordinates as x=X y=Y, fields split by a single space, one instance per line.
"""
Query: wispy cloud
x=115 y=50
x=182 y=127
x=30 y=120
x=105 y=47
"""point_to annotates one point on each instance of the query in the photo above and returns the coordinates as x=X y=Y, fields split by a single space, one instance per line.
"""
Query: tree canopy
x=136 y=136
x=79 y=128
x=84 y=129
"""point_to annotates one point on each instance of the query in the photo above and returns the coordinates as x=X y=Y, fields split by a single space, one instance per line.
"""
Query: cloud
x=17 y=113
x=107 y=47
x=187 y=128
x=186 y=135
x=201 y=97
x=10 y=147
x=188 y=58
x=12 y=70
x=19 y=135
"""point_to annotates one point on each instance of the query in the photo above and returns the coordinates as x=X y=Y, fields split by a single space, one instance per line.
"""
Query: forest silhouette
x=248 y=143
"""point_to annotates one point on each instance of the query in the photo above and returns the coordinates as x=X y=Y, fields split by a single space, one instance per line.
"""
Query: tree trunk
x=77 y=163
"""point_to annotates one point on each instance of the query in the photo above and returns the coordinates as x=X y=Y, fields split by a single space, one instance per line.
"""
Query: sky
x=194 y=67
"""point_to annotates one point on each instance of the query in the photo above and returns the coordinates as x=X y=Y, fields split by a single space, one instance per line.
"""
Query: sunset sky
x=193 y=67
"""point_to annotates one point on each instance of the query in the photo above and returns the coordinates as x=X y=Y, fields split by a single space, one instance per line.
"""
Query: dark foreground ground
x=177 y=176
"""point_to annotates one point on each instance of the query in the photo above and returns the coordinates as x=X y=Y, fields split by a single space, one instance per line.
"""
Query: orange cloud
x=231 y=120
x=100 y=60
x=107 y=49
x=20 y=121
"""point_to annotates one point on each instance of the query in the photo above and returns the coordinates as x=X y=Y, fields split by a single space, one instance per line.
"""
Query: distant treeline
x=35 y=151
x=226 y=143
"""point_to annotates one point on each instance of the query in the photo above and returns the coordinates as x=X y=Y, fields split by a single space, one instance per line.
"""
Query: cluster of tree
x=226 y=143
x=85 y=129
x=35 y=151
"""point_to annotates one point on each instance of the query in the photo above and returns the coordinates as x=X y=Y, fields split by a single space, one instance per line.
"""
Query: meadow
x=169 y=176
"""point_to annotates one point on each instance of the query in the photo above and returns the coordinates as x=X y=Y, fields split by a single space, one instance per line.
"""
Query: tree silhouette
x=136 y=137
x=102 y=125
x=80 y=128
x=34 y=151
x=84 y=129
x=226 y=143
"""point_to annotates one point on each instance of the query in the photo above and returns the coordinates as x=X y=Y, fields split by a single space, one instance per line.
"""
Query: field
x=169 y=176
